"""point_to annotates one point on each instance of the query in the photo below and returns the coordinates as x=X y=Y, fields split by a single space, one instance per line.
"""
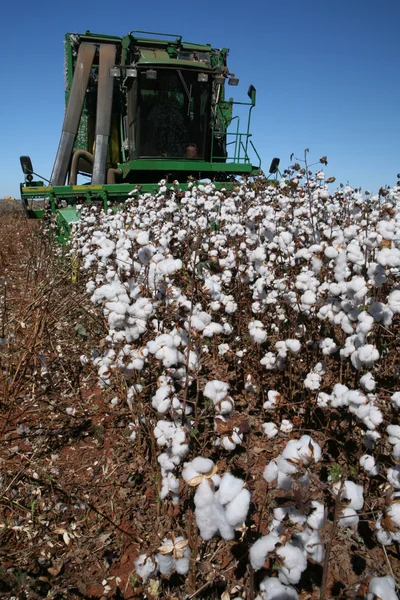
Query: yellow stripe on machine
x=28 y=190
x=82 y=188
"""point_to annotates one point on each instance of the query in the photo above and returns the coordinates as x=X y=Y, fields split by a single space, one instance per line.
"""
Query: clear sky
x=326 y=72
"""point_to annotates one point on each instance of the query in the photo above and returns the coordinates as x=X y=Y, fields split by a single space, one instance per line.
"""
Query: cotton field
x=256 y=335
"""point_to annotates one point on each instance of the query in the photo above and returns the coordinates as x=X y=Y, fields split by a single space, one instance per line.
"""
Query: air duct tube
x=103 y=112
x=76 y=157
x=73 y=112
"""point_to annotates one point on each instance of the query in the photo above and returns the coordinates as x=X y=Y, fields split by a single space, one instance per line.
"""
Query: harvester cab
x=140 y=109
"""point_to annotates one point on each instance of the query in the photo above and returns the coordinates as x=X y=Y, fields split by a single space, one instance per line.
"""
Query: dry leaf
x=199 y=478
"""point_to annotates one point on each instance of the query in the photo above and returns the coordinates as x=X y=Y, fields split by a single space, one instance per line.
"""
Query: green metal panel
x=161 y=57
x=69 y=215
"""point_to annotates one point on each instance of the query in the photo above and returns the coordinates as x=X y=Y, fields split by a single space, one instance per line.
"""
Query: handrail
x=173 y=35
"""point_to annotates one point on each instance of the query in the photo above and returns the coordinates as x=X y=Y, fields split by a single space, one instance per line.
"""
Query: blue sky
x=326 y=73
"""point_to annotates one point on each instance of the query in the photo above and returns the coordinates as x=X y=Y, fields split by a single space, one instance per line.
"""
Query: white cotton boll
x=348 y=517
x=282 y=512
x=377 y=274
x=273 y=399
x=294 y=563
x=165 y=562
x=316 y=519
x=383 y=588
x=393 y=301
x=396 y=451
x=314 y=547
x=330 y=252
x=328 y=346
x=304 y=451
x=205 y=514
x=308 y=298
x=366 y=356
x=261 y=548
x=201 y=465
x=381 y=313
x=323 y=400
x=144 y=567
x=395 y=398
x=370 y=438
x=271 y=471
x=286 y=426
x=389 y=257
x=352 y=492
x=368 y=382
x=312 y=381
x=393 y=432
x=270 y=430
x=216 y=390
x=293 y=346
x=182 y=564
x=273 y=589
x=229 y=488
x=257 y=332
x=269 y=361
x=227 y=443
x=142 y=238
x=226 y=530
x=212 y=329
x=393 y=476
x=365 y=323
x=237 y=509
x=369 y=464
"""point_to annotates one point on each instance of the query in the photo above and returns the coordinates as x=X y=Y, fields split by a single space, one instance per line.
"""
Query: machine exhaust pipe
x=103 y=112
x=73 y=112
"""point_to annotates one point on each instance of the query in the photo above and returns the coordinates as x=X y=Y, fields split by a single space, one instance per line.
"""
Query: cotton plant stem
x=328 y=547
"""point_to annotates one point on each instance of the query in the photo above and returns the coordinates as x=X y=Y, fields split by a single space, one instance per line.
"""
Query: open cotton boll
x=144 y=567
x=261 y=548
x=369 y=464
x=389 y=257
x=314 y=546
x=229 y=488
x=273 y=399
x=272 y=589
x=393 y=301
x=395 y=398
x=270 y=430
x=393 y=476
x=257 y=332
x=286 y=426
x=293 y=346
x=348 y=517
x=364 y=356
x=393 y=432
x=216 y=390
x=382 y=588
x=236 y=510
x=312 y=381
x=205 y=514
x=368 y=382
x=294 y=562
x=316 y=519
x=352 y=492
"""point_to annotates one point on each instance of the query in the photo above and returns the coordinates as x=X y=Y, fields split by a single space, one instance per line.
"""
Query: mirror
x=26 y=165
x=251 y=92
x=274 y=165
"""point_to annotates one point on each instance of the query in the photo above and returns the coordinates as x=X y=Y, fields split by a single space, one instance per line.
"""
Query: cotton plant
x=222 y=503
x=171 y=273
x=296 y=458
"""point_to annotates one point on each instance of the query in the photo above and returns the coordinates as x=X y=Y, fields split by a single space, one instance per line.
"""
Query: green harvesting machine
x=139 y=109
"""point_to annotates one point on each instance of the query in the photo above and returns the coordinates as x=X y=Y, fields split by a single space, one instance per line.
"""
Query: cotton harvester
x=138 y=110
